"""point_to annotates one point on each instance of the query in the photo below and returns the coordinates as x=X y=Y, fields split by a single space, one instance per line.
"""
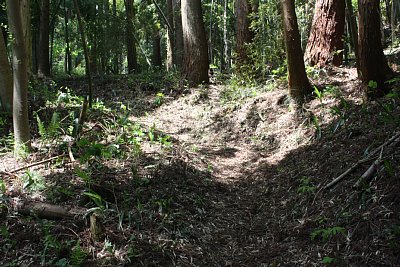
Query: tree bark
x=6 y=79
x=170 y=37
x=299 y=86
x=178 y=34
x=374 y=68
x=353 y=31
x=156 y=60
x=195 y=57
x=68 y=58
x=130 y=39
x=44 y=55
x=325 y=43
x=243 y=33
x=224 y=54
x=25 y=6
x=20 y=84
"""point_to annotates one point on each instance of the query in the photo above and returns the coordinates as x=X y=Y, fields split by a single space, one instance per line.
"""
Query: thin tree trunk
x=26 y=23
x=170 y=37
x=68 y=58
x=6 y=80
x=353 y=31
x=224 y=58
x=157 y=62
x=178 y=34
x=89 y=97
x=299 y=86
x=130 y=40
x=210 y=39
x=20 y=67
x=44 y=53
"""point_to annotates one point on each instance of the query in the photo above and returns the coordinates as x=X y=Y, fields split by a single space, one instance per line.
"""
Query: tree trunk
x=224 y=57
x=299 y=86
x=156 y=60
x=195 y=57
x=130 y=39
x=325 y=43
x=68 y=58
x=44 y=60
x=170 y=37
x=374 y=68
x=353 y=31
x=25 y=6
x=89 y=98
x=6 y=80
x=20 y=67
x=178 y=34
x=244 y=35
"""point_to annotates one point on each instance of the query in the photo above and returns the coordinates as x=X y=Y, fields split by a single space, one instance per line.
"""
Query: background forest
x=199 y=133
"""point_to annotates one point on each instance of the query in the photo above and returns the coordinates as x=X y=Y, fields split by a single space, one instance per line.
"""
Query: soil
x=238 y=183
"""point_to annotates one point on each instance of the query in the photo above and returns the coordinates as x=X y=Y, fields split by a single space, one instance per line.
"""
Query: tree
x=243 y=33
x=178 y=33
x=44 y=55
x=299 y=86
x=6 y=82
x=195 y=56
x=374 y=68
x=325 y=43
x=130 y=38
x=20 y=80
x=170 y=36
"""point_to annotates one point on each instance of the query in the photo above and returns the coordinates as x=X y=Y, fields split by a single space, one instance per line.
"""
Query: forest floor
x=217 y=175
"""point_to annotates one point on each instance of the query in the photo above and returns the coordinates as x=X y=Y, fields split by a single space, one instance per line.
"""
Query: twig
x=35 y=164
x=367 y=175
x=370 y=156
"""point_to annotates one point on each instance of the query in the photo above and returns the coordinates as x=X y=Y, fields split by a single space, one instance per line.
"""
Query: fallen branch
x=368 y=174
x=370 y=157
x=34 y=164
x=45 y=210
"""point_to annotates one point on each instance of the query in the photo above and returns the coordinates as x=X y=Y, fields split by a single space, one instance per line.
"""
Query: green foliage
x=78 y=255
x=327 y=233
x=305 y=186
x=52 y=130
x=159 y=99
x=328 y=260
x=97 y=199
x=33 y=181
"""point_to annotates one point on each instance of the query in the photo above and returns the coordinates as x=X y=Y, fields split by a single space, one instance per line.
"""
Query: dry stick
x=35 y=164
x=369 y=172
x=352 y=168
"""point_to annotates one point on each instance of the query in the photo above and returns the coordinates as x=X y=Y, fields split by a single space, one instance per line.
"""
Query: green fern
x=78 y=255
x=52 y=129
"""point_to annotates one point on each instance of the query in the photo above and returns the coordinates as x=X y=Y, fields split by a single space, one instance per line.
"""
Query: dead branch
x=370 y=157
x=45 y=210
x=34 y=164
x=368 y=174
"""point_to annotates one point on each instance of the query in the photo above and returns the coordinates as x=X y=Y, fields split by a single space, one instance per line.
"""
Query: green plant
x=159 y=99
x=33 y=181
x=305 y=186
x=100 y=203
x=78 y=255
x=327 y=233
x=319 y=94
x=317 y=126
x=49 y=241
x=52 y=130
x=327 y=260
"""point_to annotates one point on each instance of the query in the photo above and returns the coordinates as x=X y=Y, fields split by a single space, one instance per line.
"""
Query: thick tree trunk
x=374 y=68
x=243 y=33
x=44 y=55
x=195 y=57
x=178 y=34
x=299 y=86
x=170 y=37
x=130 y=39
x=6 y=80
x=20 y=67
x=325 y=43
